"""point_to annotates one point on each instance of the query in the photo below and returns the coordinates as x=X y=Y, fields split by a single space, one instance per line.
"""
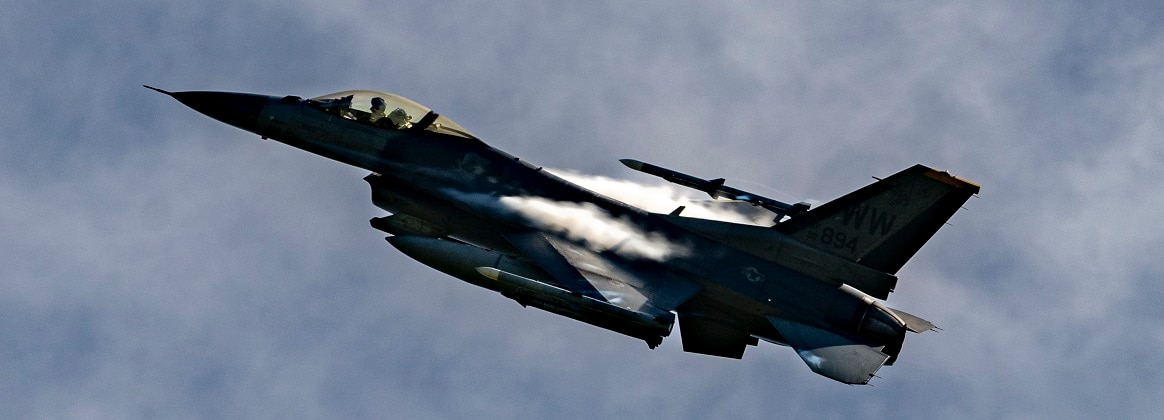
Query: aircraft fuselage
x=445 y=183
x=436 y=167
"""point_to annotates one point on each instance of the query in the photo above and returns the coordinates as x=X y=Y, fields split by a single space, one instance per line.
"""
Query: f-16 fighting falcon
x=813 y=279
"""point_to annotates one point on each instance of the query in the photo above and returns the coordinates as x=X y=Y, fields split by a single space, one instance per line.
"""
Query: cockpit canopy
x=389 y=111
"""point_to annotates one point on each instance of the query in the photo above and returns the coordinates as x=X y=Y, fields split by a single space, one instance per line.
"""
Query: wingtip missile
x=716 y=188
x=707 y=186
x=633 y=164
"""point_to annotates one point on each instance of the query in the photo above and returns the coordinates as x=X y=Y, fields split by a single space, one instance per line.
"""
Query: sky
x=160 y=264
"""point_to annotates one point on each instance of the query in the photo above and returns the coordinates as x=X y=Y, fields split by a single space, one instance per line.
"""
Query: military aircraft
x=812 y=279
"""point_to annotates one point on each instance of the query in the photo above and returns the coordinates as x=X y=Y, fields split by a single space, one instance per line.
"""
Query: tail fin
x=881 y=226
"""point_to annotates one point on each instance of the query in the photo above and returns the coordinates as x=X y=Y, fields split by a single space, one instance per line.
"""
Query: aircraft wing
x=536 y=247
x=594 y=275
x=829 y=354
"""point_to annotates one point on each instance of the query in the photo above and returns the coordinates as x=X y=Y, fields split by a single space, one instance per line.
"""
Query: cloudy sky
x=159 y=264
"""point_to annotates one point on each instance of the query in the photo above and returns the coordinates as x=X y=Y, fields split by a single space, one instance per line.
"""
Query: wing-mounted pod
x=531 y=285
x=716 y=189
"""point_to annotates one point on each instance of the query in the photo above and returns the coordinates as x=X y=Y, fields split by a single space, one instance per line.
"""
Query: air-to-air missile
x=716 y=188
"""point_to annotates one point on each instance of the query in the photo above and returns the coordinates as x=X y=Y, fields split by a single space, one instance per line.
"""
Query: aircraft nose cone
x=238 y=109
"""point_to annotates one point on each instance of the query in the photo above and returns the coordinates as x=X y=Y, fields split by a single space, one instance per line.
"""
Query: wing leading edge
x=598 y=277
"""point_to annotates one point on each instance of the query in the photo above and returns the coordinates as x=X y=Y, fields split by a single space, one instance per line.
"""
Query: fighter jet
x=813 y=279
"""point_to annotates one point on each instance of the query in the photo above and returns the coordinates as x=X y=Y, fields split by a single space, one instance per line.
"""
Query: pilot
x=378 y=110
x=400 y=119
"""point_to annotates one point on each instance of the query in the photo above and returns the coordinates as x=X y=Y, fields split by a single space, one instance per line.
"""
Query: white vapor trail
x=584 y=223
x=594 y=227
x=663 y=198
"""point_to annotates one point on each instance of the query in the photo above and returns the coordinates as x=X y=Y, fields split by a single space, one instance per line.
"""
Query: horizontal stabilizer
x=829 y=354
x=913 y=323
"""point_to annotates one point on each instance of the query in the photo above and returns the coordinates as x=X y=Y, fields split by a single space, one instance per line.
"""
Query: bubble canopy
x=389 y=111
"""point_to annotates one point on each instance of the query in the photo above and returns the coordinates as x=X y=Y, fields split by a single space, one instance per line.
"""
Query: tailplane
x=881 y=226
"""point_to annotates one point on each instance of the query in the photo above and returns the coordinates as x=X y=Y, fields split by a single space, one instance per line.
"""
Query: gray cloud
x=160 y=264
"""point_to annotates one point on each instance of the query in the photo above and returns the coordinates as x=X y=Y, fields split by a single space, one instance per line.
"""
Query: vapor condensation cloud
x=664 y=198
x=594 y=227
x=583 y=223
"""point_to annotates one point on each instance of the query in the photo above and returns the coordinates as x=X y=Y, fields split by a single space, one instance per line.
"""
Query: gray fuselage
x=433 y=176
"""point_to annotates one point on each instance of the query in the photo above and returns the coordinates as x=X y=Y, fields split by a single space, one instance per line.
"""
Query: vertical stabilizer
x=883 y=225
